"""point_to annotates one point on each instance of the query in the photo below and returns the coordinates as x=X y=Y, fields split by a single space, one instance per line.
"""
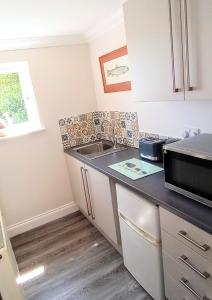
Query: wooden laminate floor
x=79 y=263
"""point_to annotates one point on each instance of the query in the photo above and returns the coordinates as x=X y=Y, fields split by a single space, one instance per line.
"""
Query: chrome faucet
x=113 y=126
x=114 y=138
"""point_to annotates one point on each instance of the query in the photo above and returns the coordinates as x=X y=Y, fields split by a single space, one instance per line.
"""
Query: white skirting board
x=41 y=219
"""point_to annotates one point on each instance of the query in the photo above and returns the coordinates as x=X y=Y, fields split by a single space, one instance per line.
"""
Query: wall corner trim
x=41 y=219
x=41 y=42
x=105 y=26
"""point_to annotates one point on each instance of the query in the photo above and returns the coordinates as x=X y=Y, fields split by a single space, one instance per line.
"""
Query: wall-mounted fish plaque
x=115 y=71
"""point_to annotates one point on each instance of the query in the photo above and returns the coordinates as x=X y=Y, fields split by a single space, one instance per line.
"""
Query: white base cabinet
x=92 y=192
x=101 y=202
x=187 y=259
x=174 y=291
x=75 y=168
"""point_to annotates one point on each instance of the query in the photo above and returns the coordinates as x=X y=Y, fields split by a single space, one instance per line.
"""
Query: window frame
x=33 y=123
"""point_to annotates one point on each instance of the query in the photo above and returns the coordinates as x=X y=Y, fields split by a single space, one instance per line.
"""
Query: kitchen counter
x=152 y=187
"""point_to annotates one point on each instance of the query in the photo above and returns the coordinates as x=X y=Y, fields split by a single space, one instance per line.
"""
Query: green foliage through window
x=12 y=107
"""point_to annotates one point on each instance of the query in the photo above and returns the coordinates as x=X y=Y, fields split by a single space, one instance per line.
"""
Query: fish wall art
x=115 y=71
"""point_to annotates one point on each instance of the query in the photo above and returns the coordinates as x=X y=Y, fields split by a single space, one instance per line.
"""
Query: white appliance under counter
x=141 y=240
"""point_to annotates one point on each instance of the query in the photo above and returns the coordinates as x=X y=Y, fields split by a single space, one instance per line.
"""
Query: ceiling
x=23 y=19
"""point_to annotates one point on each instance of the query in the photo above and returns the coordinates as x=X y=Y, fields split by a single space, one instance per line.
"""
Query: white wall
x=33 y=173
x=171 y=118
x=107 y=42
x=165 y=118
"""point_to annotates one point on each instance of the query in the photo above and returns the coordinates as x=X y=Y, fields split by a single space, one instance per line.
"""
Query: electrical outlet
x=190 y=132
x=194 y=131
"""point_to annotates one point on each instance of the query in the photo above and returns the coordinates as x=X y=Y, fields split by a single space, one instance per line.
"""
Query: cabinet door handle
x=89 y=195
x=86 y=200
x=175 y=90
x=188 y=79
x=185 y=283
x=184 y=235
x=185 y=260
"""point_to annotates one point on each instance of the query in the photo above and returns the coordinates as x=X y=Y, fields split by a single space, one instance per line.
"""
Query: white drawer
x=139 y=210
x=186 y=279
x=192 y=236
x=189 y=259
x=174 y=291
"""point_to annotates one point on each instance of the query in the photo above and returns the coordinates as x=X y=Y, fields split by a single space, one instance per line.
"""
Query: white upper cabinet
x=169 y=45
x=197 y=29
x=155 y=50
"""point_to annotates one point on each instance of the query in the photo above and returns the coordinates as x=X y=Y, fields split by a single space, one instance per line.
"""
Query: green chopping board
x=135 y=168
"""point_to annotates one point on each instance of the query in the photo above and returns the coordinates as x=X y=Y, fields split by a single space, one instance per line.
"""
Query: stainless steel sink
x=98 y=149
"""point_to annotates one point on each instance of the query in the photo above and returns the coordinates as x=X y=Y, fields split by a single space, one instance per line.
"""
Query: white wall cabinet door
x=78 y=183
x=101 y=202
x=197 y=24
x=9 y=288
x=156 y=74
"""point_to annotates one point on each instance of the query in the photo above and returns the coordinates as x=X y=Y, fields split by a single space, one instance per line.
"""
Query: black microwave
x=188 y=167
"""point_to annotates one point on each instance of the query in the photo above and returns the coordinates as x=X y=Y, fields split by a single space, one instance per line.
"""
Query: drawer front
x=192 y=236
x=187 y=258
x=139 y=210
x=186 y=279
x=174 y=291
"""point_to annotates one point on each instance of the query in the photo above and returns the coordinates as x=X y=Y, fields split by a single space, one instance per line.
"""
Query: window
x=18 y=110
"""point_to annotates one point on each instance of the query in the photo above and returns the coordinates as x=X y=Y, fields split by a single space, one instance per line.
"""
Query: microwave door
x=189 y=175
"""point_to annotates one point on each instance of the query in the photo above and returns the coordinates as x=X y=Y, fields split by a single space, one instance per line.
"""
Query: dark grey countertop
x=152 y=187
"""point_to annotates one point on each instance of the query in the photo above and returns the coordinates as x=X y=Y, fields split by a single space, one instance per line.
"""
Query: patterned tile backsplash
x=89 y=127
